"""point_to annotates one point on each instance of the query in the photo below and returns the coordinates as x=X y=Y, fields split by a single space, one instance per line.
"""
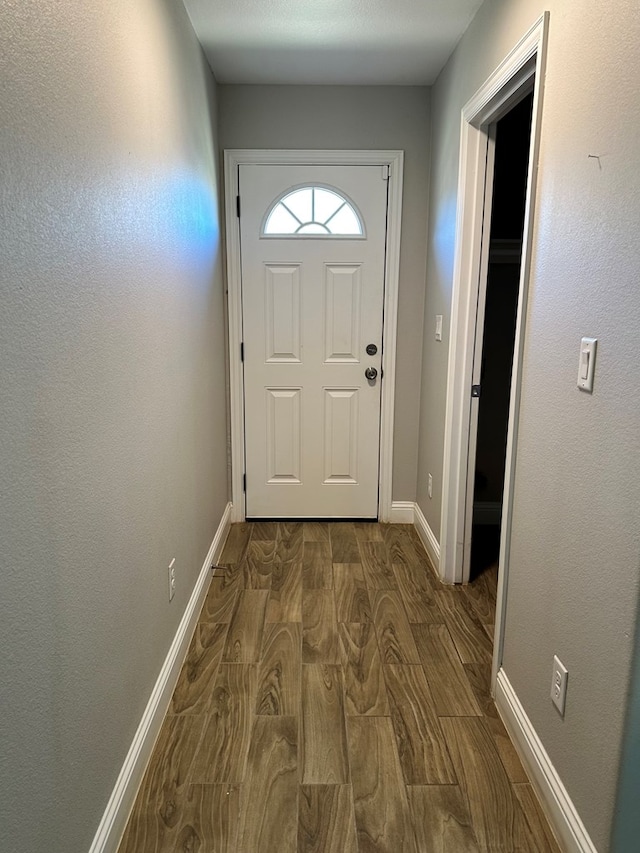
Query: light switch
x=438 y=327
x=587 y=363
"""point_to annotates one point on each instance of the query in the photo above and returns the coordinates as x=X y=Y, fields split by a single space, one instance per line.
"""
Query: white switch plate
x=430 y=486
x=587 y=363
x=559 y=684
x=438 y=327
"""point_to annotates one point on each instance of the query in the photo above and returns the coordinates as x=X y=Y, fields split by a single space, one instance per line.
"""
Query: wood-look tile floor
x=335 y=699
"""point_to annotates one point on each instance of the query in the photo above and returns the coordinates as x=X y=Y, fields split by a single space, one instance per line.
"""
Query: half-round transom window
x=313 y=211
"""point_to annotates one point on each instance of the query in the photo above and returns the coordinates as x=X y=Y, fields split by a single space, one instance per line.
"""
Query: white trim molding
x=402 y=512
x=394 y=160
x=521 y=70
x=114 y=820
x=408 y=512
x=556 y=802
x=427 y=537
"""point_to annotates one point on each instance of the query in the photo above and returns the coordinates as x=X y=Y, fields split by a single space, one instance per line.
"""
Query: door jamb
x=494 y=99
x=394 y=160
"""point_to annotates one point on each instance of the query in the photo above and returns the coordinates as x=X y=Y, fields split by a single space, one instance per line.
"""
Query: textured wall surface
x=576 y=538
x=112 y=421
x=358 y=117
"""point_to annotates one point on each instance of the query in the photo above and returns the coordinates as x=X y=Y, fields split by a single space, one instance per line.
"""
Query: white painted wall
x=576 y=538
x=112 y=382
x=356 y=117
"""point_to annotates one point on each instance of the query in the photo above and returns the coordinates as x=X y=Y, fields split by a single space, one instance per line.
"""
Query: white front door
x=313 y=259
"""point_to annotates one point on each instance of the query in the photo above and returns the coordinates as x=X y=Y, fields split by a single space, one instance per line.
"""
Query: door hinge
x=386 y=172
x=475 y=390
x=238 y=206
x=244 y=482
x=242 y=351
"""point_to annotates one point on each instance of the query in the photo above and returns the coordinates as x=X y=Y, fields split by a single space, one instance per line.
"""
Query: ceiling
x=358 y=42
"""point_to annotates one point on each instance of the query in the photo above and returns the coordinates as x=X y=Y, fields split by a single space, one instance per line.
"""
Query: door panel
x=311 y=305
x=342 y=312
x=282 y=312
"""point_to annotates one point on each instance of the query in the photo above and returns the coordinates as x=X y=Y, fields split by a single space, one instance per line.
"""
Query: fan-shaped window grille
x=313 y=211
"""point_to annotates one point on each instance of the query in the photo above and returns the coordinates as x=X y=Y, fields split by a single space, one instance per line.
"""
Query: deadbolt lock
x=372 y=349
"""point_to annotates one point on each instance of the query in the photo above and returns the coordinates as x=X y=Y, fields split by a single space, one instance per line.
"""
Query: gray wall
x=576 y=538
x=353 y=117
x=112 y=422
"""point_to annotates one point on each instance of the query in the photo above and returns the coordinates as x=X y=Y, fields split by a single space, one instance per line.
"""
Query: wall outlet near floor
x=172 y=578
x=430 y=486
x=559 y=684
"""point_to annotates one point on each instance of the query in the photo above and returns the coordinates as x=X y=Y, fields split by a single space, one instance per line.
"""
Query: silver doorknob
x=371 y=373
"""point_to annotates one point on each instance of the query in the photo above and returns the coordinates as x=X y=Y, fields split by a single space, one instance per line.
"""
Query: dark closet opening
x=513 y=139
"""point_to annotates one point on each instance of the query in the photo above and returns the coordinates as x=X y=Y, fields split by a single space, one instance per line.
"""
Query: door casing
x=521 y=71
x=394 y=162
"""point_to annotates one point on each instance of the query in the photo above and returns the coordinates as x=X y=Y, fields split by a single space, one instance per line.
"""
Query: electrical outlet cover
x=559 y=684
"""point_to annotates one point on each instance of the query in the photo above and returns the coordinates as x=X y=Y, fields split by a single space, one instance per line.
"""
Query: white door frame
x=494 y=99
x=394 y=160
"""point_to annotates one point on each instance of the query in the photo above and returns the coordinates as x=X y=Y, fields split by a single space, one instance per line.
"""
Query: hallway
x=335 y=699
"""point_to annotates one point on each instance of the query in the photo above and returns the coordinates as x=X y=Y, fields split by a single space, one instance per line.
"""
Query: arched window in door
x=313 y=211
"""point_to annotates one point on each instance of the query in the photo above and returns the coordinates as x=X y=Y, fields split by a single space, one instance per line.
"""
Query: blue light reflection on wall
x=444 y=238
x=189 y=213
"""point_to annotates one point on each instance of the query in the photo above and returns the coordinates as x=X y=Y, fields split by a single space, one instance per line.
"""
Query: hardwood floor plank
x=452 y=693
x=323 y=741
x=441 y=819
x=423 y=754
x=400 y=544
x=367 y=531
x=383 y=821
x=344 y=546
x=351 y=596
x=326 y=822
x=479 y=677
x=319 y=627
x=285 y=596
x=152 y=825
x=491 y=581
x=479 y=598
x=369 y=703
x=290 y=541
x=365 y=689
x=193 y=691
x=315 y=531
x=245 y=629
x=417 y=593
x=236 y=543
x=393 y=631
x=316 y=566
x=210 y=821
x=221 y=598
x=378 y=572
x=222 y=755
x=495 y=813
x=264 y=530
x=257 y=563
x=269 y=801
x=279 y=671
x=542 y=838
x=467 y=633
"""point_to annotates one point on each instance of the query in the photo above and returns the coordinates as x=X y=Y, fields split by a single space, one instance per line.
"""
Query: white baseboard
x=116 y=815
x=408 y=512
x=402 y=512
x=428 y=538
x=558 y=806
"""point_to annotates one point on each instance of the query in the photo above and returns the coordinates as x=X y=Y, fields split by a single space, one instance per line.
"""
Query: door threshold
x=329 y=519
